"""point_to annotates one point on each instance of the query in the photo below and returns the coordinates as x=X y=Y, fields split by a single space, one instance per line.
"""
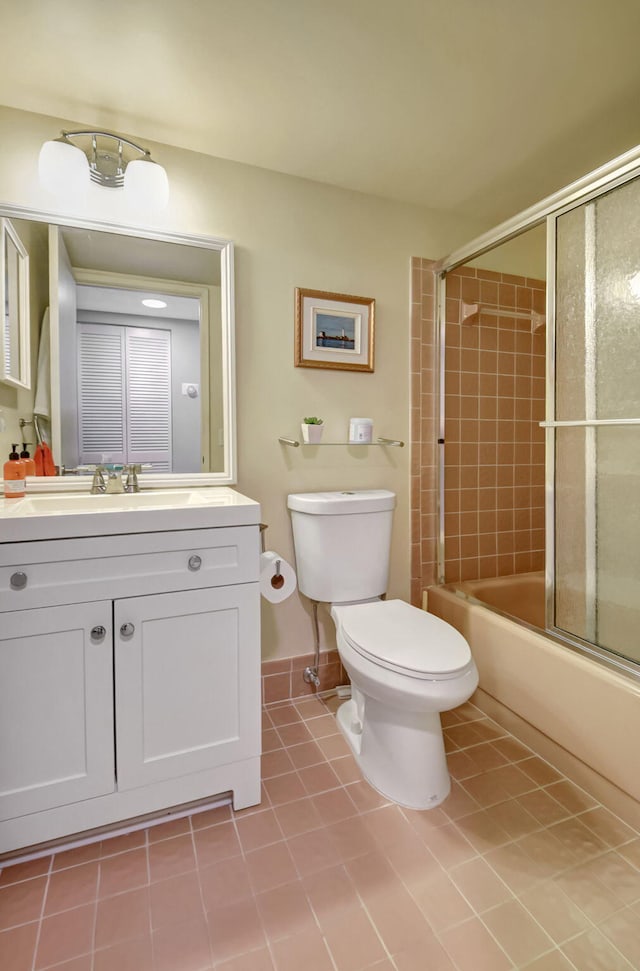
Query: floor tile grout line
x=94 y=929
x=41 y=918
x=205 y=912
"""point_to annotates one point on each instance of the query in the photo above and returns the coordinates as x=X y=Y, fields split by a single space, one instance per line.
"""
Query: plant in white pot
x=311 y=430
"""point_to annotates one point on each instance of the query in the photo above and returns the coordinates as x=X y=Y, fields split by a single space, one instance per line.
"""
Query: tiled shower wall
x=494 y=452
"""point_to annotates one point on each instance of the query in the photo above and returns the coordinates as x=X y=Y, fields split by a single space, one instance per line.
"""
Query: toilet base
x=401 y=754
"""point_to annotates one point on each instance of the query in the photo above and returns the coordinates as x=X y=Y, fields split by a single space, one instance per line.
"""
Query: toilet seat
x=394 y=635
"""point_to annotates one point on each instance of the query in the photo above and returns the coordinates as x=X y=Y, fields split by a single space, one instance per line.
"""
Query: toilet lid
x=403 y=638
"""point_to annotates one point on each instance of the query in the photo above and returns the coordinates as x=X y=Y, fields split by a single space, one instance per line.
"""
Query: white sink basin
x=62 y=515
x=66 y=503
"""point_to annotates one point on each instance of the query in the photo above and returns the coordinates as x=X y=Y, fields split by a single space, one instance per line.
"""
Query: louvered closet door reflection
x=101 y=375
x=124 y=395
x=148 y=391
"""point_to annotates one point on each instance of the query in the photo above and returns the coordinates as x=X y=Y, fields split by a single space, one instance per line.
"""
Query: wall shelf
x=390 y=442
x=471 y=312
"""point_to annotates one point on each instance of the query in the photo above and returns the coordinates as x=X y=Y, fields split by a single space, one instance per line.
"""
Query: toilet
x=405 y=665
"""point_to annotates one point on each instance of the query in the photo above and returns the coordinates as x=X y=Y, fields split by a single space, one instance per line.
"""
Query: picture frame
x=334 y=330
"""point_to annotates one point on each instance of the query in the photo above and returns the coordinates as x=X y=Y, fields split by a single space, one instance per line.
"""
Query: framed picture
x=334 y=330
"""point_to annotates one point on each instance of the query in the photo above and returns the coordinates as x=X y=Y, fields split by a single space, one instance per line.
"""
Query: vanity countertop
x=62 y=515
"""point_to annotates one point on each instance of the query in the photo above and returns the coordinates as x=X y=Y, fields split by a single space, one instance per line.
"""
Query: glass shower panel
x=570 y=315
x=571 y=613
x=618 y=540
x=597 y=466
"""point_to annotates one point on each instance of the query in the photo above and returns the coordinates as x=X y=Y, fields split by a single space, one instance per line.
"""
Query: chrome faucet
x=115 y=485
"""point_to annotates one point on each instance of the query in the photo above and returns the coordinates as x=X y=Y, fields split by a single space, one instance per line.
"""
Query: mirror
x=119 y=380
x=14 y=300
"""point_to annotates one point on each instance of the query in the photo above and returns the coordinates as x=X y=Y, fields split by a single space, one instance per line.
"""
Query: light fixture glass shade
x=146 y=184
x=63 y=168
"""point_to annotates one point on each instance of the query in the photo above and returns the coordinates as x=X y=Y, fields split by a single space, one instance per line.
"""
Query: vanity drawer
x=43 y=574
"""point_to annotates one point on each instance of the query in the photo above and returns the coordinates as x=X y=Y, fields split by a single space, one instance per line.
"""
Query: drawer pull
x=98 y=632
x=127 y=630
x=18 y=581
x=195 y=562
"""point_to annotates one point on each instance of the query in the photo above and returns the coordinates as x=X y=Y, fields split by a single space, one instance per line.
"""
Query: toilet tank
x=342 y=542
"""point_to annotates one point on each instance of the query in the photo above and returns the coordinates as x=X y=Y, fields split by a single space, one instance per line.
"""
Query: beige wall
x=289 y=232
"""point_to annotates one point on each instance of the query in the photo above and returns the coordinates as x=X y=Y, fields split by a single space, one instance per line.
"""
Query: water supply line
x=310 y=674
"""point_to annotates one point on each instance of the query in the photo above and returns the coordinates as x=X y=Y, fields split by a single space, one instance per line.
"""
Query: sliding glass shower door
x=593 y=444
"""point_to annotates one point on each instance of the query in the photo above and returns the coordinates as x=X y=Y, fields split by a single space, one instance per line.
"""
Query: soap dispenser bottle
x=14 y=476
x=29 y=464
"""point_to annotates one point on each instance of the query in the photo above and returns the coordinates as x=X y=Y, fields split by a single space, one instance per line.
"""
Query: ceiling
x=129 y=302
x=475 y=107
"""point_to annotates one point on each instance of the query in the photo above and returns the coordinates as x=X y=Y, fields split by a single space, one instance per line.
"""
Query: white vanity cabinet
x=129 y=677
x=56 y=707
x=181 y=671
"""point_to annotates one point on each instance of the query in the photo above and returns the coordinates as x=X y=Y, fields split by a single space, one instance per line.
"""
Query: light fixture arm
x=107 y=164
x=107 y=134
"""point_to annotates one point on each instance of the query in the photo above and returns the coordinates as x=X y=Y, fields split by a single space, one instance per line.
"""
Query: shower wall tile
x=494 y=451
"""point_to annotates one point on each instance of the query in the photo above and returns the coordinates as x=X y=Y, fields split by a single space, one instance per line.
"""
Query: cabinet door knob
x=195 y=562
x=127 y=630
x=98 y=632
x=18 y=581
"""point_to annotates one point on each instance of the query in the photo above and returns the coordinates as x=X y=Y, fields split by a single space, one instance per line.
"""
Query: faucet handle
x=98 y=483
x=132 y=477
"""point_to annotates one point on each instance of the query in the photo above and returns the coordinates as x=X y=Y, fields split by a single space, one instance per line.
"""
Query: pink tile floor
x=519 y=868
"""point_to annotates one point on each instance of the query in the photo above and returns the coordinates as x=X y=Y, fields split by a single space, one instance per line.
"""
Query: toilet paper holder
x=277 y=580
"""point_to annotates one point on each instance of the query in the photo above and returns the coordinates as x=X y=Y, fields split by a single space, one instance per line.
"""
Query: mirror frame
x=225 y=248
x=23 y=349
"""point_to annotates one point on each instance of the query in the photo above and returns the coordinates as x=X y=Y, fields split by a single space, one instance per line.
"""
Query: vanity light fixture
x=107 y=160
x=155 y=304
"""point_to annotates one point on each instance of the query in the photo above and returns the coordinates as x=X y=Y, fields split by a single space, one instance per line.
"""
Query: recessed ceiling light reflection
x=154 y=304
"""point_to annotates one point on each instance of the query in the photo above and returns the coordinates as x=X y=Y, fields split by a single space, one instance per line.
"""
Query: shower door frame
x=615 y=173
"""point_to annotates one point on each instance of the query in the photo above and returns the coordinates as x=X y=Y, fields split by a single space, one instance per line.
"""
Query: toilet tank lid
x=404 y=638
x=342 y=503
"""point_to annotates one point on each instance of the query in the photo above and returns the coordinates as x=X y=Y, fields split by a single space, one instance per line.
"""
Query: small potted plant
x=311 y=430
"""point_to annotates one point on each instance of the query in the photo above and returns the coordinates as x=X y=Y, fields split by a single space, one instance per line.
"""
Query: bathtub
x=520 y=597
x=583 y=709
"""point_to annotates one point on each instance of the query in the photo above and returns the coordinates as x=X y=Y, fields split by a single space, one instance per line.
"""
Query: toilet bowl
x=405 y=666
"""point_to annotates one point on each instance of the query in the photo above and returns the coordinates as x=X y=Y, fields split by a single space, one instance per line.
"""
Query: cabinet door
x=56 y=707
x=187 y=677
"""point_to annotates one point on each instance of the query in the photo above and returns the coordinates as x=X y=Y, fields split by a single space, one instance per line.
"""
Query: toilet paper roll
x=277 y=577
